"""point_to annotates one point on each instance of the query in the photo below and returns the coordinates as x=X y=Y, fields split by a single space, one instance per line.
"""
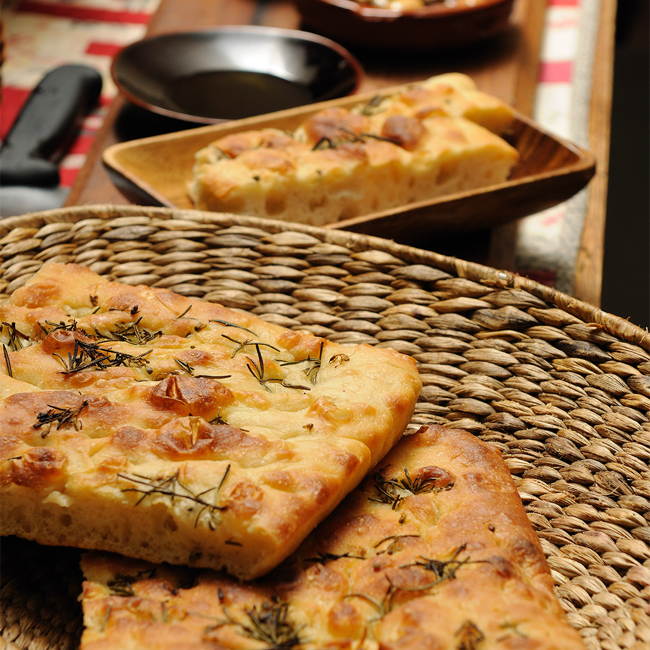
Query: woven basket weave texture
x=560 y=387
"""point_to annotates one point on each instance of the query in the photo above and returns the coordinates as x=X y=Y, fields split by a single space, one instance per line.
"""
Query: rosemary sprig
x=122 y=585
x=220 y=154
x=270 y=624
x=257 y=370
x=132 y=333
x=394 y=546
x=419 y=485
x=346 y=137
x=227 y=324
x=383 y=606
x=92 y=356
x=442 y=569
x=469 y=636
x=10 y=372
x=371 y=107
x=163 y=612
x=172 y=487
x=311 y=371
x=70 y=326
x=393 y=491
x=15 y=336
x=323 y=557
x=512 y=629
x=248 y=342
x=286 y=384
x=197 y=328
x=190 y=371
x=66 y=417
x=102 y=627
x=217 y=420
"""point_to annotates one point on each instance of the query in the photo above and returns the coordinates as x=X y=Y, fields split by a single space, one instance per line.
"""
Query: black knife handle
x=47 y=123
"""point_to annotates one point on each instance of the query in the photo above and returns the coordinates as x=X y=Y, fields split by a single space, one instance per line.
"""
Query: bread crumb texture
x=170 y=429
x=432 y=552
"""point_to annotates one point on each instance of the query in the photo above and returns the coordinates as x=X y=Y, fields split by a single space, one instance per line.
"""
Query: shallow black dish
x=233 y=72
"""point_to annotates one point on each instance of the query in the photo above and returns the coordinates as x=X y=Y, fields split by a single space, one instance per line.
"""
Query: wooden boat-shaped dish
x=156 y=171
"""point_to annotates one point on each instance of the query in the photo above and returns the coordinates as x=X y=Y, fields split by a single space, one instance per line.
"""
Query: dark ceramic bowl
x=233 y=72
x=437 y=25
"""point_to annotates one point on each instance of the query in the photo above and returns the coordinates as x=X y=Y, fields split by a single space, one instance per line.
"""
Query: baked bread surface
x=434 y=138
x=171 y=429
x=432 y=552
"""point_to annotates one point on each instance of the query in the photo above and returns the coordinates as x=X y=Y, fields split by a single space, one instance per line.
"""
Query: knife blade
x=40 y=136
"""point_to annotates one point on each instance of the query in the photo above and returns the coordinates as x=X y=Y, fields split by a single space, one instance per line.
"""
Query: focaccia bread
x=453 y=94
x=432 y=552
x=340 y=163
x=139 y=421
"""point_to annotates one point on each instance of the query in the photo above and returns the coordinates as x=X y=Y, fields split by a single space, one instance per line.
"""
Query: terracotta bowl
x=436 y=25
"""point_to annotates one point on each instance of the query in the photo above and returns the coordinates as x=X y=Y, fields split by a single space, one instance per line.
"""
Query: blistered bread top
x=434 y=551
x=109 y=390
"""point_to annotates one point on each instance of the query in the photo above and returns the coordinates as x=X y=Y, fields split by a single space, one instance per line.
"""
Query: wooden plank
x=589 y=265
x=530 y=18
x=92 y=184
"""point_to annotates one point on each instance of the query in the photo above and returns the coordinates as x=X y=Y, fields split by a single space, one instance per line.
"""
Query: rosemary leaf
x=15 y=336
x=469 y=636
x=64 y=416
x=393 y=491
x=122 y=585
x=7 y=360
x=172 y=487
x=92 y=356
x=227 y=324
x=442 y=569
x=241 y=345
x=190 y=371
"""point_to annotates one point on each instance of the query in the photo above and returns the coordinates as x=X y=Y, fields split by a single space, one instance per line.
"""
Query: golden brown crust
x=142 y=422
x=436 y=137
x=451 y=560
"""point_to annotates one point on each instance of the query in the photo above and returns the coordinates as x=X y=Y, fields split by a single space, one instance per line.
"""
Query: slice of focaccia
x=139 y=421
x=433 y=552
x=452 y=94
x=432 y=139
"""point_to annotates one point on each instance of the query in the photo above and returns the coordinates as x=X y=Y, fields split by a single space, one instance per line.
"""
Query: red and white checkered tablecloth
x=41 y=34
x=547 y=243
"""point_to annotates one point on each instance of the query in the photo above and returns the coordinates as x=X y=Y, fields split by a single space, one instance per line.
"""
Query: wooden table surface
x=505 y=66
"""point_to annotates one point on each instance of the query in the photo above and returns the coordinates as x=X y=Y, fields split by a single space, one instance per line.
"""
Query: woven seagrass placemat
x=560 y=387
